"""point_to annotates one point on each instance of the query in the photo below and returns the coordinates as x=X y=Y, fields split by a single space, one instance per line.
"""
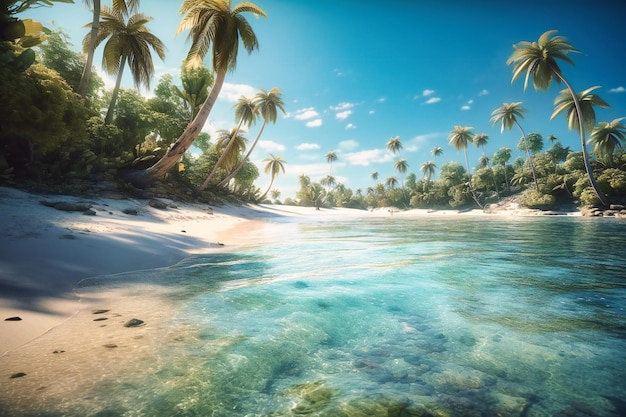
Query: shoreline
x=46 y=252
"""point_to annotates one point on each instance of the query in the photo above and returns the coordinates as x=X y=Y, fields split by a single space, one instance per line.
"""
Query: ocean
x=396 y=316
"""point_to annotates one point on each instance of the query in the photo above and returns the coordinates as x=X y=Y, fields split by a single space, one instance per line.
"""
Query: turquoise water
x=392 y=317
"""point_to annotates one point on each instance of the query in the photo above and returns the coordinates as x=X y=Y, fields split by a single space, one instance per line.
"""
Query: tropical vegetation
x=62 y=127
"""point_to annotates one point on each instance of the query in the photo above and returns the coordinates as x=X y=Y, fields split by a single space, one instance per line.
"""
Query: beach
x=45 y=252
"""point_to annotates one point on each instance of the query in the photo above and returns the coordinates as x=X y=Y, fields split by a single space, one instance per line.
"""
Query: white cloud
x=232 y=92
x=270 y=146
x=372 y=111
x=350 y=126
x=348 y=145
x=619 y=89
x=314 y=123
x=342 y=106
x=427 y=93
x=306 y=114
x=343 y=115
x=433 y=100
x=307 y=146
x=381 y=100
x=465 y=107
x=365 y=158
x=483 y=93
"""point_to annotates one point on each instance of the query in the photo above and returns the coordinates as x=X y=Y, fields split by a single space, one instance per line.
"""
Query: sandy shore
x=45 y=252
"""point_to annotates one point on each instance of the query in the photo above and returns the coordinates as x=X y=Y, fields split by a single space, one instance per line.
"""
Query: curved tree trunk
x=83 y=86
x=225 y=153
x=175 y=152
x=268 y=188
x=116 y=91
x=243 y=162
x=470 y=180
x=583 y=141
x=530 y=157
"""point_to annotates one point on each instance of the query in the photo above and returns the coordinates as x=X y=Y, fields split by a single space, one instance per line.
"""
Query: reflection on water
x=389 y=317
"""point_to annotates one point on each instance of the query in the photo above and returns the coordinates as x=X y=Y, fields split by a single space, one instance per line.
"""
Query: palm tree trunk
x=86 y=76
x=268 y=188
x=583 y=141
x=116 y=91
x=470 y=180
x=530 y=158
x=243 y=162
x=219 y=162
x=174 y=153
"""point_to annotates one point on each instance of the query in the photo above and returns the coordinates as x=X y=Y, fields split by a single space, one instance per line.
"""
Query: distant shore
x=45 y=251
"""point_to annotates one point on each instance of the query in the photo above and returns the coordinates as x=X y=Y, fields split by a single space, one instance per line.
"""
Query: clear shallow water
x=391 y=317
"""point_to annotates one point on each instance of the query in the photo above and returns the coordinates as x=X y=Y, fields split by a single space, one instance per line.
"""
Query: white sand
x=45 y=252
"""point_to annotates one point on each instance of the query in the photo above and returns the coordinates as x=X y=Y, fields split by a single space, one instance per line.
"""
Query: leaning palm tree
x=459 y=137
x=128 y=41
x=246 y=113
x=214 y=26
x=273 y=167
x=267 y=105
x=539 y=61
x=507 y=116
x=608 y=136
x=564 y=103
x=230 y=144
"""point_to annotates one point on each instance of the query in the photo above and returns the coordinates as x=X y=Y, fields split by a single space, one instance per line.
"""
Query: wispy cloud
x=343 y=115
x=306 y=114
x=381 y=100
x=307 y=147
x=468 y=105
x=271 y=146
x=232 y=92
x=342 y=106
x=367 y=157
x=619 y=89
x=350 y=126
x=314 y=123
x=433 y=100
x=427 y=93
x=483 y=93
x=348 y=145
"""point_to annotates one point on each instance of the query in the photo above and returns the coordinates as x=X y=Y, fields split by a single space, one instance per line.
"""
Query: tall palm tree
x=214 y=26
x=437 y=151
x=91 y=47
x=330 y=158
x=428 y=169
x=608 y=136
x=539 y=61
x=481 y=140
x=267 y=105
x=246 y=113
x=128 y=41
x=273 y=167
x=564 y=103
x=231 y=144
x=195 y=90
x=401 y=165
x=459 y=137
x=391 y=182
x=507 y=116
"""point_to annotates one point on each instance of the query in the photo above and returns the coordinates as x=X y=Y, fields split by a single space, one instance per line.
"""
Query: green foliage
x=613 y=182
x=532 y=198
x=483 y=179
x=534 y=140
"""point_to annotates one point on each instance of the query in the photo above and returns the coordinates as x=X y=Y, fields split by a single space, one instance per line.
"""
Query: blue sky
x=356 y=72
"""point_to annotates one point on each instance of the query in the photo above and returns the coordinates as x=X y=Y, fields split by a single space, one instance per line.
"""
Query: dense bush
x=532 y=198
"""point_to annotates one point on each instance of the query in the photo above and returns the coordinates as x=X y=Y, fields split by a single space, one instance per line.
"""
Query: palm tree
x=374 y=175
x=128 y=41
x=273 y=167
x=401 y=165
x=437 y=151
x=246 y=113
x=539 y=61
x=196 y=83
x=391 y=182
x=213 y=25
x=91 y=48
x=394 y=145
x=267 y=104
x=231 y=144
x=481 y=140
x=564 y=103
x=459 y=137
x=607 y=136
x=428 y=169
x=330 y=158
x=507 y=116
